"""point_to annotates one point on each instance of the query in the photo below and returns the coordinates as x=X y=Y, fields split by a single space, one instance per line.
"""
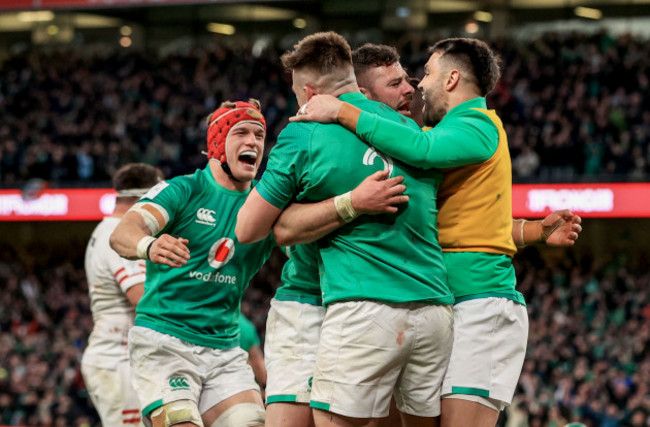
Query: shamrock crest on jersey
x=371 y=154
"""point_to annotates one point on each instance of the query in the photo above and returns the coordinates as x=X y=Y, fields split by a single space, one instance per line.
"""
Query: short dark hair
x=373 y=55
x=475 y=57
x=136 y=175
x=321 y=52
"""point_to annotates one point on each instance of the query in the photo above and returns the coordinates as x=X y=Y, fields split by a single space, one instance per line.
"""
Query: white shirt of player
x=109 y=277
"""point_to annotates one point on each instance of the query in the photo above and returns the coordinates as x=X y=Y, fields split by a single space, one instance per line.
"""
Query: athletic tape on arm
x=155 y=216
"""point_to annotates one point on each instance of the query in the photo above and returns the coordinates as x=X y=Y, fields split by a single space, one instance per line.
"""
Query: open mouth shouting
x=248 y=159
x=404 y=108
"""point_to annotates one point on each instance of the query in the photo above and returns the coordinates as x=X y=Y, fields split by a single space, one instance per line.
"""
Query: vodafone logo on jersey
x=221 y=252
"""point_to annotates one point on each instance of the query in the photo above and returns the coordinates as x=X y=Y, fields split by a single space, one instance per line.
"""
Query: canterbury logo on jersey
x=205 y=216
x=372 y=154
x=178 y=382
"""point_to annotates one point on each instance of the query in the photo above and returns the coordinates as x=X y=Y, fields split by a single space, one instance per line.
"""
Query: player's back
x=390 y=257
x=109 y=277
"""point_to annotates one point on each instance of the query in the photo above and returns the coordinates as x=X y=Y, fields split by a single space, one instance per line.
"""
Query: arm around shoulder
x=308 y=222
x=255 y=218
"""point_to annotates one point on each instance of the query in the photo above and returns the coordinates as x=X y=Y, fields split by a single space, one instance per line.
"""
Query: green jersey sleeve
x=287 y=167
x=463 y=137
x=172 y=196
x=248 y=337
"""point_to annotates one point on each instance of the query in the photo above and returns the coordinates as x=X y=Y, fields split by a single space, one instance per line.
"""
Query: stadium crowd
x=587 y=362
x=575 y=106
x=45 y=321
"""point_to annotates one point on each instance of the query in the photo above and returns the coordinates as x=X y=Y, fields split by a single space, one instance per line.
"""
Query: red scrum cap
x=225 y=118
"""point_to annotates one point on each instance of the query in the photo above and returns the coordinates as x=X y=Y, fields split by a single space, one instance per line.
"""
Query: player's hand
x=377 y=194
x=320 y=108
x=561 y=228
x=169 y=250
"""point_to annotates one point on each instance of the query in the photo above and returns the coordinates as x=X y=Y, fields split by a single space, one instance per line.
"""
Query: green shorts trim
x=320 y=405
x=281 y=398
x=152 y=406
x=304 y=299
x=470 y=390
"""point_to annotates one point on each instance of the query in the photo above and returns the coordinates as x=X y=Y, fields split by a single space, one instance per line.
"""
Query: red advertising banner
x=528 y=201
x=57 y=205
x=80 y=4
x=586 y=200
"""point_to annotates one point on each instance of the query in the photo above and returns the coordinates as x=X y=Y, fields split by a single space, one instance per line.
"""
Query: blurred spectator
x=589 y=359
x=576 y=107
x=77 y=117
x=588 y=355
x=44 y=324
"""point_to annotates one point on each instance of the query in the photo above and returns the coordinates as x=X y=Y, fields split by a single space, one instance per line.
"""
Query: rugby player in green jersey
x=295 y=316
x=297 y=312
x=382 y=280
x=188 y=367
x=483 y=372
x=202 y=208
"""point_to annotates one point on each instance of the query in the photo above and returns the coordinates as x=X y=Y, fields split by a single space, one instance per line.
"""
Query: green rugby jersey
x=300 y=276
x=475 y=218
x=392 y=258
x=248 y=332
x=199 y=302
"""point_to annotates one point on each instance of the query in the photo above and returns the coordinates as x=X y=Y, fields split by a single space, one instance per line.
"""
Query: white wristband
x=141 y=250
x=521 y=233
x=344 y=208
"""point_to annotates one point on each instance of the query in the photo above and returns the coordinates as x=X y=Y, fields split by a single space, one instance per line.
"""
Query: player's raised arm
x=307 y=222
x=133 y=238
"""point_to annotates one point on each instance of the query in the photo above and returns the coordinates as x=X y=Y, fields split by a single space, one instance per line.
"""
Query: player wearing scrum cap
x=188 y=367
x=115 y=286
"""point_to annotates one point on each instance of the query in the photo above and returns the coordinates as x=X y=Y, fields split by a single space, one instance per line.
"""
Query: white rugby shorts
x=112 y=394
x=292 y=334
x=369 y=351
x=166 y=369
x=490 y=336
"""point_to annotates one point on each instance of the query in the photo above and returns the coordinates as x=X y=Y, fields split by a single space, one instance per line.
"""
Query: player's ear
x=453 y=78
x=364 y=91
x=310 y=91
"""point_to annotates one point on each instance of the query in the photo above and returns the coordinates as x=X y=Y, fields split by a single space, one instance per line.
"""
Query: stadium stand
x=568 y=107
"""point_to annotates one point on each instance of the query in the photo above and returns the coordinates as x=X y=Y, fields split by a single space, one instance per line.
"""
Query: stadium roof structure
x=406 y=12
x=62 y=21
